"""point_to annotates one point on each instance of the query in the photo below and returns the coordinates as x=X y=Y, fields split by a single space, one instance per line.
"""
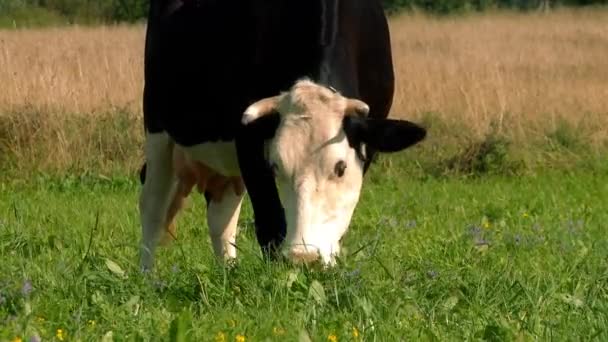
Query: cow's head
x=317 y=155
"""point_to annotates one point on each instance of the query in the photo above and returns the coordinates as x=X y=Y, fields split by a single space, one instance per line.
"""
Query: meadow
x=492 y=229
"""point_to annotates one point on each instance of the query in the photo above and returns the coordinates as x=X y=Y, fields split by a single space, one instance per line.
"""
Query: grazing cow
x=213 y=118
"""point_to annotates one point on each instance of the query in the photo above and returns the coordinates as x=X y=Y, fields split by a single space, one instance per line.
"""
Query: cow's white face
x=315 y=155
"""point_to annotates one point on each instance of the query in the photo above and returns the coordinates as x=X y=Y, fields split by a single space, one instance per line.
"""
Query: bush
x=457 y=6
x=30 y=17
x=489 y=155
x=52 y=12
x=565 y=136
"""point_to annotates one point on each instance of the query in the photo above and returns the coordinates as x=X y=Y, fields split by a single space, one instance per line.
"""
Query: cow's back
x=206 y=63
x=197 y=59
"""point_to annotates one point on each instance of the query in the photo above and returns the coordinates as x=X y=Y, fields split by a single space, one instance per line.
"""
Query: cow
x=258 y=96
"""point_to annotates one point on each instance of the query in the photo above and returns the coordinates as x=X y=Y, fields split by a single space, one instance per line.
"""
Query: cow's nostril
x=303 y=256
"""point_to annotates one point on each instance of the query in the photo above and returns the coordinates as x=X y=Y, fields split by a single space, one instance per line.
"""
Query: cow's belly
x=218 y=156
x=210 y=167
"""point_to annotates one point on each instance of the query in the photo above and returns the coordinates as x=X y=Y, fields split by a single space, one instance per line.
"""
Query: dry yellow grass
x=73 y=69
x=522 y=72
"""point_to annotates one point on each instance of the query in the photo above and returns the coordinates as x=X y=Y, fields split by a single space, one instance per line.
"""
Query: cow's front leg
x=156 y=194
x=222 y=218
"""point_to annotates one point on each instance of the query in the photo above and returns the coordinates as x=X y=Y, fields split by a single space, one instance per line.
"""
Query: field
x=493 y=228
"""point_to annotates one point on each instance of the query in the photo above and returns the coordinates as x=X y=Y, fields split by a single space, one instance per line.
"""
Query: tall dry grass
x=71 y=97
x=523 y=72
x=72 y=70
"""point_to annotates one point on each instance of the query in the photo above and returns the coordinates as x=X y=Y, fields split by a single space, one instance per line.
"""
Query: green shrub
x=30 y=17
x=489 y=155
x=459 y=6
x=565 y=136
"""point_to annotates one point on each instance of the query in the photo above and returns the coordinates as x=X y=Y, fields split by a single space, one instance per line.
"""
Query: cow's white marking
x=160 y=187
x=319 y=204
x=308 y=144
x=219 y=156
x=222 y=218
x=222 y=215
x=156 y=194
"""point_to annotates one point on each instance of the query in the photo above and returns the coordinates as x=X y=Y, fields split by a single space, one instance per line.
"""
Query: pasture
x=493 y=228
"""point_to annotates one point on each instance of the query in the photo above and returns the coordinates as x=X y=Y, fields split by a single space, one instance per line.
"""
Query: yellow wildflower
x=91 y=323
x=355 y=332
x=220 y=337
x=17 y=339
x=60 y=334
x=332 y=338
x=486 y=224
x=278 y=331
x=525 y=215
x=240 y=338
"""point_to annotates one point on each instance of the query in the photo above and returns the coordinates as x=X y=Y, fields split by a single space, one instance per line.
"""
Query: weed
x=487 y=156
x=453 y=257
x=76 y=91
x=566 y=136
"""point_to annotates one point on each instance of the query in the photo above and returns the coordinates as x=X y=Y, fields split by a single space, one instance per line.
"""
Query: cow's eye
x=340 y=168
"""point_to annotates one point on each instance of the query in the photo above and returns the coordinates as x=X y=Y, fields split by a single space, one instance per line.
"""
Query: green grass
x=432 y=258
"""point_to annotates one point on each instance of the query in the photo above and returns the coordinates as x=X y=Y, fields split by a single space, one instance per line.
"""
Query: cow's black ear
x=384 y=135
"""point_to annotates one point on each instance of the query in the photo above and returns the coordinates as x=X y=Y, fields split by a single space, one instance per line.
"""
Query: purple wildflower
x=354 y=274
x=575 y=227
x=517 y=239
x=2 y=299
x=432 y=274
x=411 y=224
x=175 y=268
x=389 y=221
x=27 y=288
x=475 y=231
x=477 y=234
x=481 y=242
x=35 y=338
x=77 y=316
x=160 y=284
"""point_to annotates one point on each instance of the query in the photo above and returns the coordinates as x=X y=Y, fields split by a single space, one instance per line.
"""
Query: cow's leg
x=156 y=194
x=222 y=218
x=180 y=194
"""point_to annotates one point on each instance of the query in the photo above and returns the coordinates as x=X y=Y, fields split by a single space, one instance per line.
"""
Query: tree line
x=460 y=6
x=48 y=12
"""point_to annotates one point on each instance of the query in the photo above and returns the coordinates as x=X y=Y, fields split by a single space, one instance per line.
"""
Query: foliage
x=52 y=12
x=498 y=258
x=456 y=6
x=487 y=155
x=73 y=11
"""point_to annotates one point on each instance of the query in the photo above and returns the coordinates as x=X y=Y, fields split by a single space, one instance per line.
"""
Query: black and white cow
x=240 y=94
